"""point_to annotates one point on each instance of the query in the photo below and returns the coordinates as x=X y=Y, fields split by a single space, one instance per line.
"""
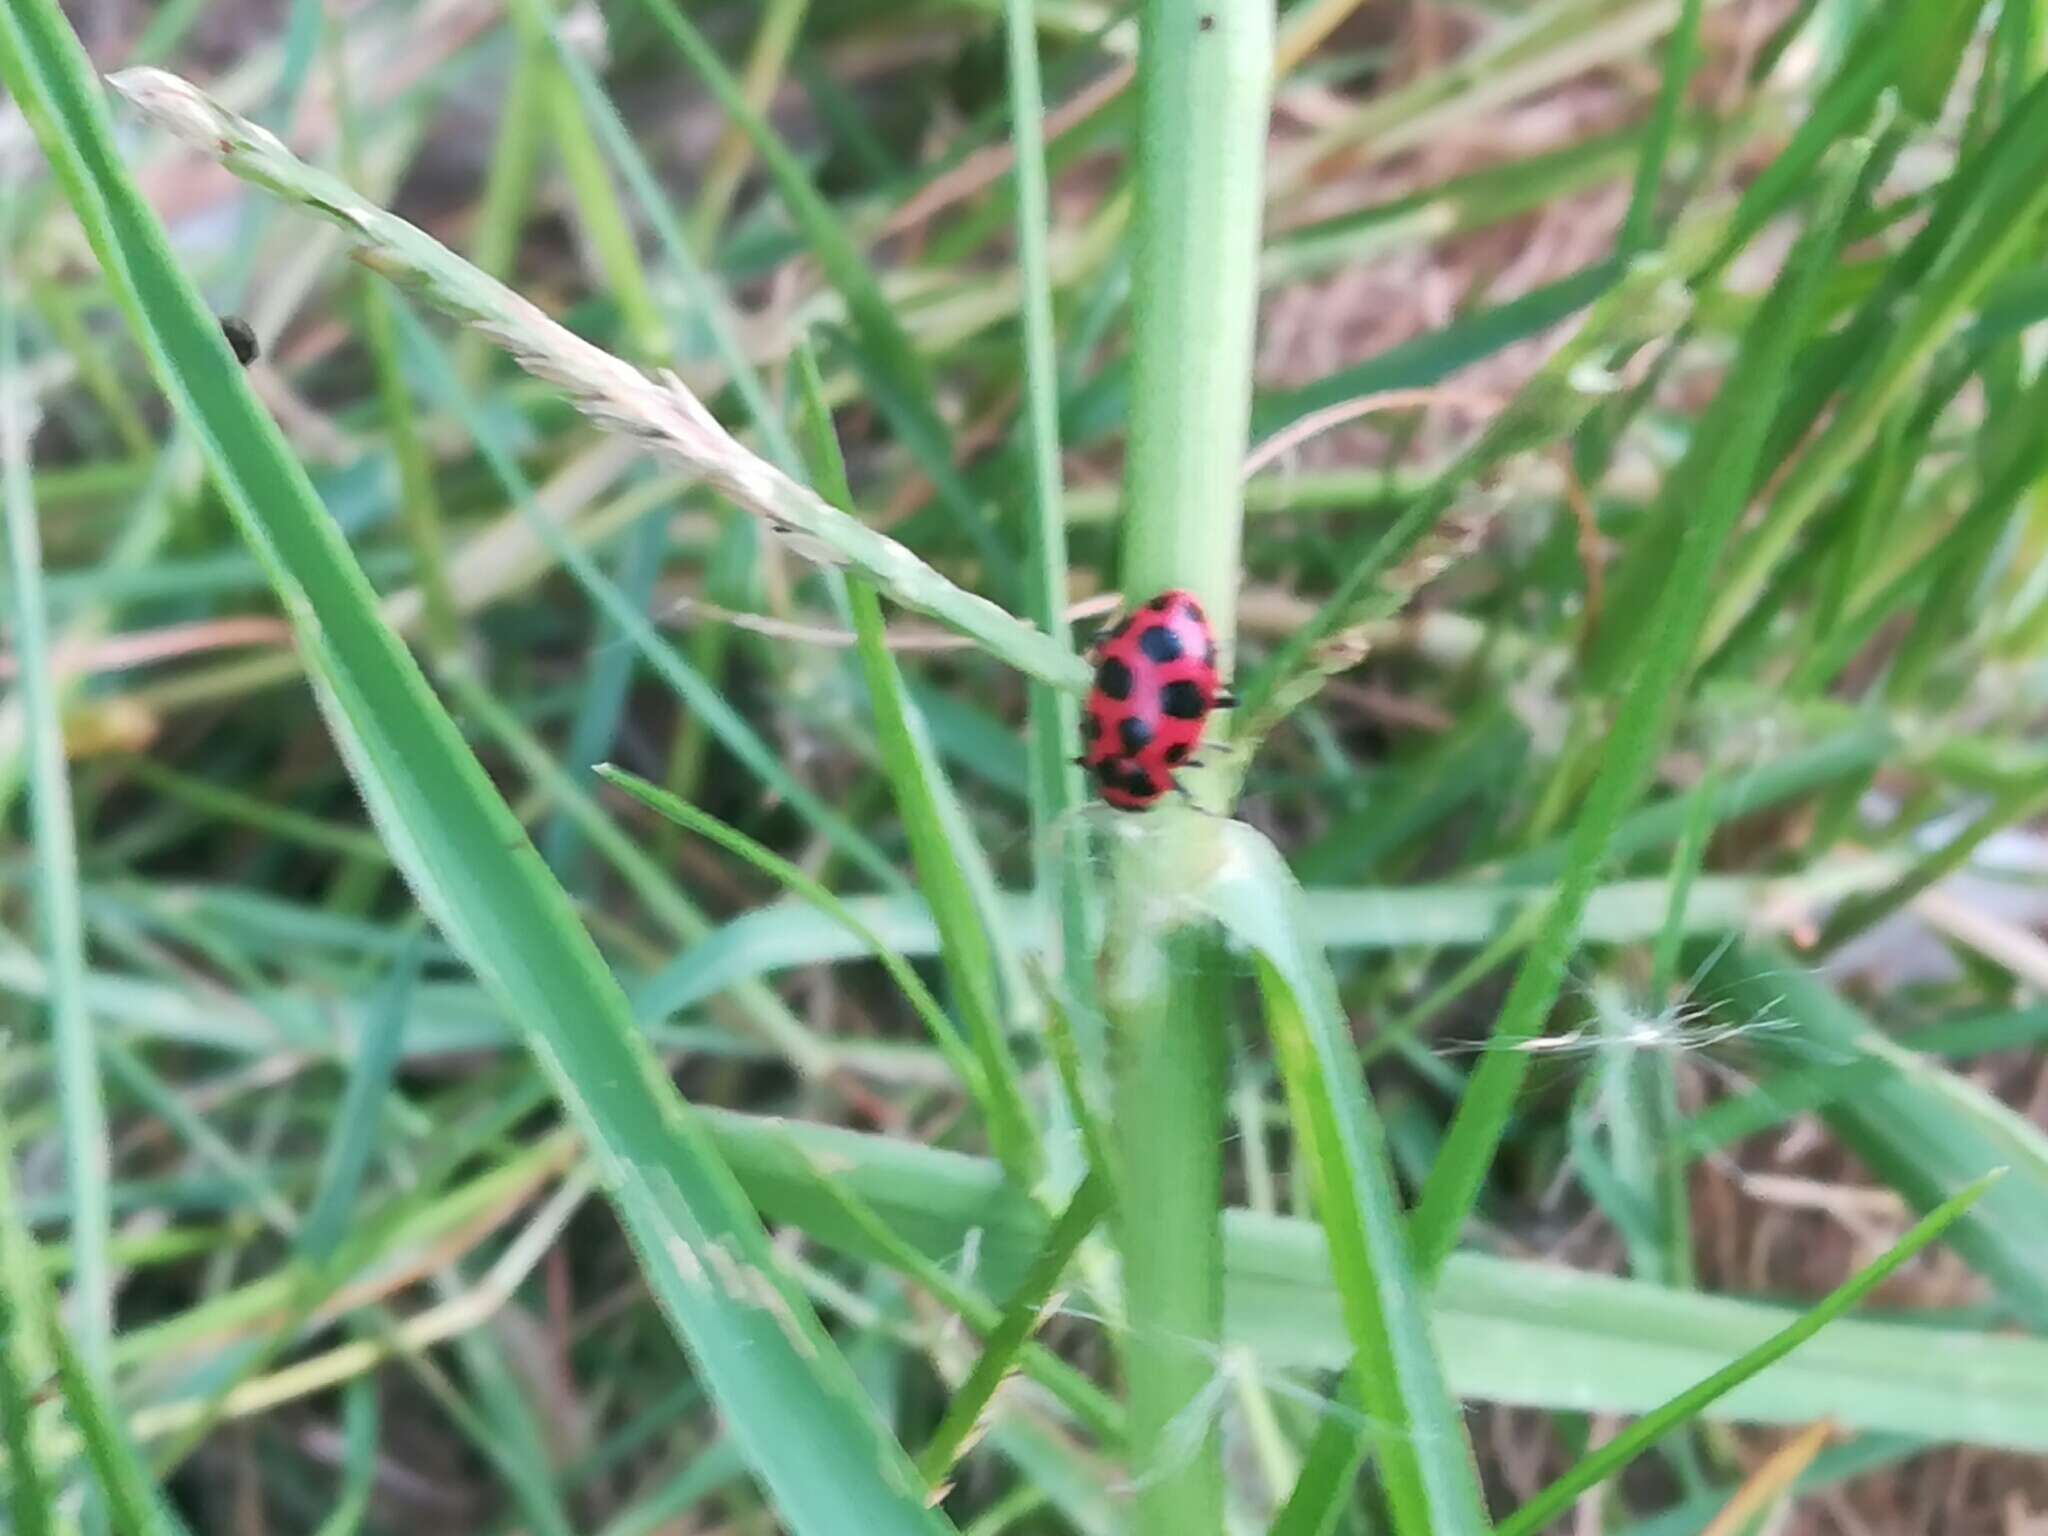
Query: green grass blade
x=951 y=867
x=777 y=868
x=848 y=1218
x=898 y=382
x=605 y=695
x=1649 y=300
x=1416 y=1432
x=1922 y=1128
x=1617 y=1453
x=1713 y=486
x=29 y=1500
x=1531 y=1334
x=134 y=1505
x=1681 y=60
x=690 y=686
x=35 y=1337
x=1022 y=1314
x=1325 y=1481
x=82 y=1111
x=359 y=1116
x=359 y=1419
x=778 y=1377
x=1060 y=840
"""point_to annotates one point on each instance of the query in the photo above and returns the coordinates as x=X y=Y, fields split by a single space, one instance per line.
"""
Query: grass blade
x=951 y=867
x=785 y=1390
x=1022 y=1314
x=735 y=842
x=1681 y=59
x=691 y=687
x=82 y=1110
x=1416 y=1432
x=1653 y=1426
x=1925 y=1130
x=1059 y=839
x=1533 y=1334
x=1713 y=486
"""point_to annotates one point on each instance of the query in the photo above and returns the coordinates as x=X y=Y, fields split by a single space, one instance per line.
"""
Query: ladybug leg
x=1226 y=700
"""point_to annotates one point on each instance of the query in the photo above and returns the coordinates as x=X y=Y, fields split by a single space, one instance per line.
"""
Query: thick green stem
x=1167 y=1005
x=1203 y=78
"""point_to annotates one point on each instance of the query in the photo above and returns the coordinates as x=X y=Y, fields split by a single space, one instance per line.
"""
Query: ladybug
x=1155 y=686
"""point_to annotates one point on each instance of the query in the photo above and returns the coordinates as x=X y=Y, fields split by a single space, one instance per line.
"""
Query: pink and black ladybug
x=1155 y=686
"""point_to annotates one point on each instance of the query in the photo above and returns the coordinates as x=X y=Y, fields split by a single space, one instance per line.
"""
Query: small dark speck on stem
x=1208 y=23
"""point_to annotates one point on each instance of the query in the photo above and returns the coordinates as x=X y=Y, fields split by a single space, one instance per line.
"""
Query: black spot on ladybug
x=1137 y=734
x=1177 y=753
x=1138 y=782
x=1109 y=770
x=1160 y=643
x=1091 y=727
x=1161 y=603
x=1182 y=700
x=242 y=338
x=1114 y=679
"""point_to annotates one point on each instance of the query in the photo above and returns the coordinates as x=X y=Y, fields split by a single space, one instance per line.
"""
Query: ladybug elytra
x=1155 y=686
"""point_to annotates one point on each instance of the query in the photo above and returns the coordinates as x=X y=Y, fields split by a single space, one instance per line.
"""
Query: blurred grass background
x=1642 y=605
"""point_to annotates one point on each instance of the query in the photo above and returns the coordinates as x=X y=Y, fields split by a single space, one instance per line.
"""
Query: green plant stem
x=1168 y=1050
x=1203 y=78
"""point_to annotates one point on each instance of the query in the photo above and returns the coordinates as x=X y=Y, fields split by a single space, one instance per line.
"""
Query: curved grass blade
x=790 y=1399
x=1599 y=1465
x=1415 y=1430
